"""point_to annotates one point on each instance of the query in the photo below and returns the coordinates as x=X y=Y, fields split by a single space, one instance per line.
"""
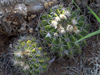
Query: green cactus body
x=61 y=27
x=29 y=57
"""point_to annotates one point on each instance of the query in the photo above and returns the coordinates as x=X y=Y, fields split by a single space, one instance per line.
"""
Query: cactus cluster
x=61 y=27
x=28 y=57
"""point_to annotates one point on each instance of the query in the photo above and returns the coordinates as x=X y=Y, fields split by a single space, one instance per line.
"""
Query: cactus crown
x=61 y=27
x=29 y=57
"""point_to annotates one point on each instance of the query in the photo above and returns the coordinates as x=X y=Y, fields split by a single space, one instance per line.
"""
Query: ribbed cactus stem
x=29 y=56
x=62 y=27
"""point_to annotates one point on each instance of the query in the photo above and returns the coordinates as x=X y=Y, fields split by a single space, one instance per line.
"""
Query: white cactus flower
x=55 y=34
x=62 y=16
x=74 y=22
x=69 y=28
x=18 y=53
x=48 y=35
x=61 y=30
x=26 y=67
x=67 y=13
x=27 y=52
x=54 y=24
x=57 y=19
x=76 y=31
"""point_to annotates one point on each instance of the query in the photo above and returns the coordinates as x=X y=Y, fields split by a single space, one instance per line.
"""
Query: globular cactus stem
x=28 y=57
x=61 y=27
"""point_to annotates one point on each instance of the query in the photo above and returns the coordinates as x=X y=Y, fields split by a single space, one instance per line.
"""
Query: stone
x=35 y=8
x=32 y=2
x=21 y=8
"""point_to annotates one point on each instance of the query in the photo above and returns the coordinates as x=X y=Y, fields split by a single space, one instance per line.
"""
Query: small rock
x=35 y=8
x=21 y=8
x=32 y=2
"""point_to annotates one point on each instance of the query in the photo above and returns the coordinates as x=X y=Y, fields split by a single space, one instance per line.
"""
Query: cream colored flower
x=55 y=34
x=74 y=22
x=54 y=24
x=61 y=30
x=18 y=53
x=57 y=19
x=67 y=13
x=76 y=31
x=69 y=28
x=27 y=52
x=62 y=16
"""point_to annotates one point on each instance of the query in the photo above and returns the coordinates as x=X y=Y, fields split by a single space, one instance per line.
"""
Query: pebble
x=32 y=2
x=35 y=8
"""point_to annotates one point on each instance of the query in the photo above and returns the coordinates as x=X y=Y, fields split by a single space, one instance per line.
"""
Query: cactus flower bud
x=57 y=19
x=61 y=30
x=62 y=16
x=74 y=22
x=55 y=34
x=54 y=24
x=67 y=13
x=18 y=53
x=76 y=31
x=69 y=28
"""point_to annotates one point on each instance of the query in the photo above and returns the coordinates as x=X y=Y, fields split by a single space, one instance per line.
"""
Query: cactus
x=61 y=27
x=28 y=57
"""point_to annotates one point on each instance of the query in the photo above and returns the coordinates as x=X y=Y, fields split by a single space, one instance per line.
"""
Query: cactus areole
x=61 y=27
